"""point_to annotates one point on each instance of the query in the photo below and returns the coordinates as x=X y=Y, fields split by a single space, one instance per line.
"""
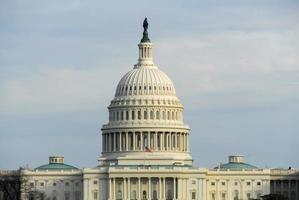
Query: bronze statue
x=145 y=33
x=145 y=24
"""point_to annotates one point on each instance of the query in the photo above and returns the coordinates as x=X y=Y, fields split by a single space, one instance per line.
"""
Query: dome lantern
x=145 y=49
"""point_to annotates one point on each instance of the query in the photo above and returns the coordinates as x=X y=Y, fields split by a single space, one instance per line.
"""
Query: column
x=127 y=142
x=114 y=193
x=129 y=189
x=187 y=135
x=139 y=192
x=125 y=189
x=156 y=141
x=114 y=141
x=149 y=189
x=204 y=188
x=110 y=189
x=162 y=141
x=86 y=189
x=182 y=144
x=179 y=191
x=149 y=139
x=134 y=140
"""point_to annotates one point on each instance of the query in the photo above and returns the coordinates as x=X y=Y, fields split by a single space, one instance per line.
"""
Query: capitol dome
x=145 y=80
x=145 y=115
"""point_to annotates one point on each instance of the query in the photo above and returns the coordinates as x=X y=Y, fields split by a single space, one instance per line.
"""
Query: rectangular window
x=193 y=195
x=223 y=196
x=212 y=183
x=133 y=115
x=248 y=183
x=95 y=195
x=223 y=183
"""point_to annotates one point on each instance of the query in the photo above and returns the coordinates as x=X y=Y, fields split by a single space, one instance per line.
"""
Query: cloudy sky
x=235 y=65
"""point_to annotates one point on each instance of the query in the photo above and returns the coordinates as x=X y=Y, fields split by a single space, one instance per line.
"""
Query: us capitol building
x=146 y=153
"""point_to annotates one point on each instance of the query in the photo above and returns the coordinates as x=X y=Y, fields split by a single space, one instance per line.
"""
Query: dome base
x=146 y=158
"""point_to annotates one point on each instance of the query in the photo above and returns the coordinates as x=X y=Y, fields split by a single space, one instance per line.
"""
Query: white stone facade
x=146 y=154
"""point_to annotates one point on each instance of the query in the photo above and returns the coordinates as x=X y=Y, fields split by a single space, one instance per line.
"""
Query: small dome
x=56 y=166
x=235 y=162
x=56 y=163
x=145 y=81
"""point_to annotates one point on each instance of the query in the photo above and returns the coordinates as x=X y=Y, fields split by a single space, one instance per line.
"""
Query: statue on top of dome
x=145 y=37
x=145 y=24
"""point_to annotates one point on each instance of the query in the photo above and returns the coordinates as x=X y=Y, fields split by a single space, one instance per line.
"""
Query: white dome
x=145 y=81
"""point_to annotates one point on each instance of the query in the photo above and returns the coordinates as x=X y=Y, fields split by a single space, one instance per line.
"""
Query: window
x=42 y=184
x=236 y=183
x=223 y=183
x=77 y=195
x=127 y=115
x=157 y=115
x=67 y=184
x=95 y=195
x=32 y=184
x=67 y=195
x=152 y=114
x=258 y=183
x=139 y=114
x=213 y=196
x=212 y=183
x=133 y=115
x=122 y=115
x=54 y=184
x=223 y=196
x=95 y=182
x=193 y=195
x=193 y=182
x=247 y=183
x=145 y=115
x=236 y=195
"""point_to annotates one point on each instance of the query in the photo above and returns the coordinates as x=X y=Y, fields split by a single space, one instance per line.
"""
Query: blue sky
x=235 y=66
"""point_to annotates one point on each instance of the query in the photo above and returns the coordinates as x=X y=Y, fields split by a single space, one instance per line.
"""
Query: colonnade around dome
x=139 y=140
